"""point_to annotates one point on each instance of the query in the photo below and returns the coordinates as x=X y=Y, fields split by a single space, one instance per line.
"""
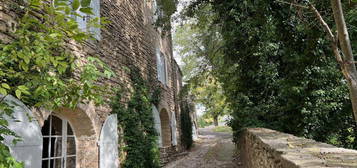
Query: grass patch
x=222 y=129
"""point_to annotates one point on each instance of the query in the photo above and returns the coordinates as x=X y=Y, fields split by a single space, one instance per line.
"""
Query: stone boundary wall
x=171 y=153
x=265 y=148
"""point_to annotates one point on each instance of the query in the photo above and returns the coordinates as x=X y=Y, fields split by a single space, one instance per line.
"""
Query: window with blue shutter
x=95 y=5
x=84 y=19
x=161 y=67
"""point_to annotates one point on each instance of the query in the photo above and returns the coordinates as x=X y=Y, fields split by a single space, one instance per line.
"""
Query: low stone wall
x=171 y=153
x=166 y=154
x=264 y=148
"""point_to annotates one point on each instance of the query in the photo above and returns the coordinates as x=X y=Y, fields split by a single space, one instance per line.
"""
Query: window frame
x=64 y=136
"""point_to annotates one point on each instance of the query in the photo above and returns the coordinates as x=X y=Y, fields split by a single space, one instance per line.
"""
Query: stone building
x=87 y=136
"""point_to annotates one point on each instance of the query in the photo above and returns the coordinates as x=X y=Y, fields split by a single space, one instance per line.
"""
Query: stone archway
x=85 y=135
x=165 y=128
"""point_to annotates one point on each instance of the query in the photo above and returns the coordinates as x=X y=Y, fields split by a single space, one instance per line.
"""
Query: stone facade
x=264 y=148
x=130 y=39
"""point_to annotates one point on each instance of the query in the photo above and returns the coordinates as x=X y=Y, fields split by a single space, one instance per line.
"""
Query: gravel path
x=212 y=150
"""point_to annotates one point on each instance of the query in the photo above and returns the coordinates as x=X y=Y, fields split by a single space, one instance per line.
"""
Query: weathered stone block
x=265 y=148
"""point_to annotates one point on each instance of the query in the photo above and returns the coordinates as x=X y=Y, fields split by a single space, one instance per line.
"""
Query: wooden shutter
x=159 y=64
x=157 y=122
x=22 y=122
x=108 y=144
x=173 y=128
x=95 y=5
x=82 y=21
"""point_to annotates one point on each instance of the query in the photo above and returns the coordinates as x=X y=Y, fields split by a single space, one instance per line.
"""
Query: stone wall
x=130 y=39
x=264 y=148
x=168 y=154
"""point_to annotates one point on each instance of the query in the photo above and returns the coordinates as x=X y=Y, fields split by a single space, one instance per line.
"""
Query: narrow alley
x=212 y=150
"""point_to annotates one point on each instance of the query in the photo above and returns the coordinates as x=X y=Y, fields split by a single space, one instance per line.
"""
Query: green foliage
x=6 y=161
x=137 y=122
x=39 y=69
x=196 y=54
x=277 y=69
x=166 y=8
x=186 y=120
x=204 y=122
x=222 y=129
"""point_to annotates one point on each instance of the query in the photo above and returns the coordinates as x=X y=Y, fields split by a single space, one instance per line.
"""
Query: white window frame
x=64 y=137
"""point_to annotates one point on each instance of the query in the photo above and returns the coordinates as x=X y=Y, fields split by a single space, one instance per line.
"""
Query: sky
x=175 y=23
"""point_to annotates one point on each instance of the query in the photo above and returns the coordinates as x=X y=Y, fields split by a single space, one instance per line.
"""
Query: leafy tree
x=276 y=68
x=210 y=94
x=199 y=44
x=187 y=108
x=37 y=66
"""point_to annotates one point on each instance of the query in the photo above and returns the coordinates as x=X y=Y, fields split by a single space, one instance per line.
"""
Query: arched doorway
x=165 y=128
x=59 y=144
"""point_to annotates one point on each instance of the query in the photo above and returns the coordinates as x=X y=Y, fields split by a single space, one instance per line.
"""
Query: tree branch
x=323 y=23
x=293 y=4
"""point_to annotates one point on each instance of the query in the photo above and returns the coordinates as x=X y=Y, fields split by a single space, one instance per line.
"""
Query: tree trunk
x=348 y=64
x=215 y=120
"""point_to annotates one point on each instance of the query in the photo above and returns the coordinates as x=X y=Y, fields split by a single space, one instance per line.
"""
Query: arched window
x=59 y=145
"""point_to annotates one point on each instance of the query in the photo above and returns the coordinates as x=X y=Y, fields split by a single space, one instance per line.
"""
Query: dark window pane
x=45 y=164
x=52 y=163
x=46 y=127
x=46 y=142
x=56 y=147
x=56 y=126
x=71 y=146
x=69 y=130
x=71 y=162
x=57 y=163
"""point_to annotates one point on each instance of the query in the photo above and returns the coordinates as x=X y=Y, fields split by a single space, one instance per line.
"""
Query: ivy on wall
x=37 y=66
x=186 y=120
x=136 y=121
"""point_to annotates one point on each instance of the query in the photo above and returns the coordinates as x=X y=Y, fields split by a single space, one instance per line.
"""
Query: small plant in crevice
x=136 y=121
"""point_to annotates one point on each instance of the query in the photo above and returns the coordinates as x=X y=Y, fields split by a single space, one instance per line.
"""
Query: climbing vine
x=37 y=66
x=136 y=121
x=186 y=120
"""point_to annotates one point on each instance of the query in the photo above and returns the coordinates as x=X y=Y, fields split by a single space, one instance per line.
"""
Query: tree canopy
x=277 y=68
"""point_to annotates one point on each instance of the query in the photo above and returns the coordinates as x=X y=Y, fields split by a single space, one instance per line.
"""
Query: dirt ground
x=212 y=150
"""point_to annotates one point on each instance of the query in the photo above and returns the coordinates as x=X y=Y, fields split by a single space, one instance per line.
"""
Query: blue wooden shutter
x=157 y=122
x=173 y=128
x=108 y=144
x=95 y=5
x=82 y=21
x=29 y=150
x=159 y=64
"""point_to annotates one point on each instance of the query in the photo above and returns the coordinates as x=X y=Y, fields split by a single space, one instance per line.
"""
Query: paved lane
x=212 y=150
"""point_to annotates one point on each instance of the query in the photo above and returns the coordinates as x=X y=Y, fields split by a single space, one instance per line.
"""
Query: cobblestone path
x=212 y=150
